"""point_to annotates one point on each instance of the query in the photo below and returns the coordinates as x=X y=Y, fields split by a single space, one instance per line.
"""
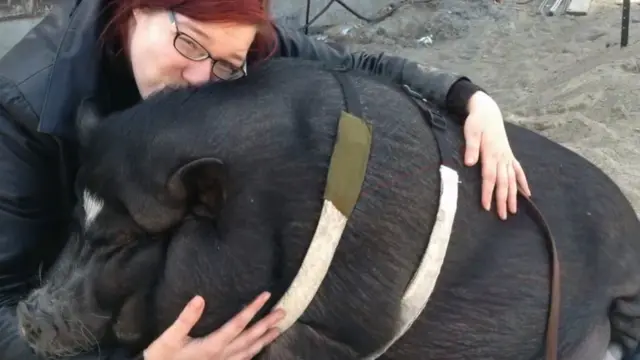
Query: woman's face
x=202 y=51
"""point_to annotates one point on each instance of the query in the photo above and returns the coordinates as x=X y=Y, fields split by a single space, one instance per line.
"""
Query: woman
x=121 y=51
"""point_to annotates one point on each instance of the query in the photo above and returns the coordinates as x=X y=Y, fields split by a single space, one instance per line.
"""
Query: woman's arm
x=28 y=222
x=444 y=88
x=484 y=131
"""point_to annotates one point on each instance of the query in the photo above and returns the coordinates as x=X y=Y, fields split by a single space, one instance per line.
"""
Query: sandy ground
x=562 y=76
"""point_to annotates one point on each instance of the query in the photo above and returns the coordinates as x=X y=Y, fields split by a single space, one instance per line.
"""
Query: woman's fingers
x=232 y=328
x=472 y=138
x=486 y=140
x=521 y=178
x=252 y=349
x=513 y=188
x=489 y=176
x=502 y=189
x=176 y=335
x=502 y=178
x=187 y=319
x=255 y=335
x=219 y=344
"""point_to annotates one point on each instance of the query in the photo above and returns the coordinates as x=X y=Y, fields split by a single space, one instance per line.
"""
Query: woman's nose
x=198 y=72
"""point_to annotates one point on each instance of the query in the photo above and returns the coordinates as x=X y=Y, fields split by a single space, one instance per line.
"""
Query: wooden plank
x=578 y=7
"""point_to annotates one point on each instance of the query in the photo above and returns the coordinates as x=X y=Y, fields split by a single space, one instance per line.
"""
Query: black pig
x=217 y=191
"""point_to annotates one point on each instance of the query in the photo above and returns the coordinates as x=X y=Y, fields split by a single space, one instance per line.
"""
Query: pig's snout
x=50 y=328
x=33 y=324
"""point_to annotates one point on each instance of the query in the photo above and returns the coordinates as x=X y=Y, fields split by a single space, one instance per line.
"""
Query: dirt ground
x=563 y=76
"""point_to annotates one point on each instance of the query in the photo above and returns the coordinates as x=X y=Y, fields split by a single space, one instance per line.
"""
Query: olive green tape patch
x=348 y=164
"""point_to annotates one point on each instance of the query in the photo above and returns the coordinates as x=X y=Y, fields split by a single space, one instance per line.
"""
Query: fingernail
x=265 y=296
x=280 y=314
x=279 y=311
x=197 y=302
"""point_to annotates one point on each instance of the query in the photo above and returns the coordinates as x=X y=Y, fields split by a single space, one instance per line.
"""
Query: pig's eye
x=110 y=240
x=123 y=238
x=114 y=227
x=96 y=241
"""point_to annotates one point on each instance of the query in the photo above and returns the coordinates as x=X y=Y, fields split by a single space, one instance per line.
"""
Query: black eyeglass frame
x=236 y=74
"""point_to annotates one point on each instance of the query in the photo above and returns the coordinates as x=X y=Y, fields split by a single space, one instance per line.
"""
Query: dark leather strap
x=438 y=123
x=353 y=105
x=553 y=320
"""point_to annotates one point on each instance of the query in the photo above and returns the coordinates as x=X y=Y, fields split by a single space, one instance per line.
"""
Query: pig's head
x=98 y=290
x=156 y=187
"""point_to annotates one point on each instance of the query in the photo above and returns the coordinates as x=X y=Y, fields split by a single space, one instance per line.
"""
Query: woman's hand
x=486 y=138
x=230 y=342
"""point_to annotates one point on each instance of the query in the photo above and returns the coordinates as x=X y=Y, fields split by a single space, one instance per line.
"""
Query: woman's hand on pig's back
x=230 y=342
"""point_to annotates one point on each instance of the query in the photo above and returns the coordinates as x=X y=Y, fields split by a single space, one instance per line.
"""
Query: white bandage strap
x=424 y=280
x=325 y=242
x=344 y=185
x=315 y=265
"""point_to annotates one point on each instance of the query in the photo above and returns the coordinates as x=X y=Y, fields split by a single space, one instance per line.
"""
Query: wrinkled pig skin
x=217 y=191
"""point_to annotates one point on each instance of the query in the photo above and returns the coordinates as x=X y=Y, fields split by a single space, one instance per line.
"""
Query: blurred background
x=18 y=16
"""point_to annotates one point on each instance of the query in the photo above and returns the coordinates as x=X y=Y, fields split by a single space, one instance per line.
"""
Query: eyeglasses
x=193 y=50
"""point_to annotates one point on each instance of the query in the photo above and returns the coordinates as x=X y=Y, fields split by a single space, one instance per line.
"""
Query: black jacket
x=42 y=80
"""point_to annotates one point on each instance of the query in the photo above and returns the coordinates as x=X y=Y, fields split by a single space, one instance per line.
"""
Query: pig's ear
x=199 y=183
x=87 y=120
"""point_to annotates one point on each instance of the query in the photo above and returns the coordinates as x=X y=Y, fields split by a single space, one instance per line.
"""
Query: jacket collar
x=75 y=70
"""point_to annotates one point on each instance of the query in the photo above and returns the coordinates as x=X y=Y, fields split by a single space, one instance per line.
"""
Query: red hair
x=252 y=12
